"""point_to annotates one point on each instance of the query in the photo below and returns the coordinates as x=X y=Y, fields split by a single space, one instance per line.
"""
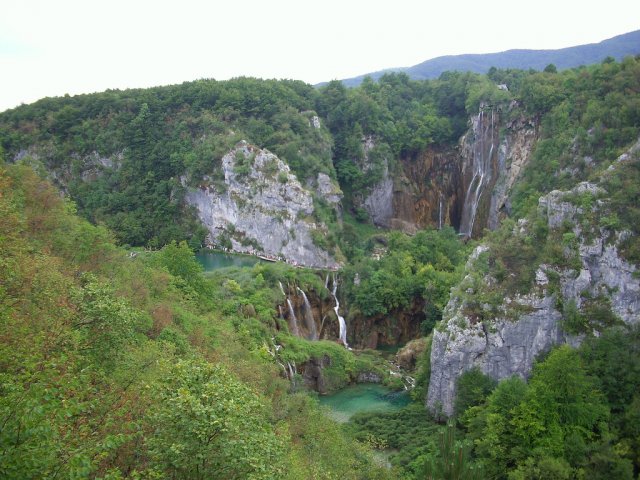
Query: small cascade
x=342 y=323
x=408 y=382
x=292 y=373
x=483 y=147
x=282 y=288
x=274 y=354
x=293 y=321
x=440 y=212
x=308 y=317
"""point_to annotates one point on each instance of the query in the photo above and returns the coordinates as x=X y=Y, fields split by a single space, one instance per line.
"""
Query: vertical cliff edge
x=591 y=286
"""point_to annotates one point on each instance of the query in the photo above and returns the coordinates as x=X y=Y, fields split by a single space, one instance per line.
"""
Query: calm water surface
x=213 y=260
x=363 y=397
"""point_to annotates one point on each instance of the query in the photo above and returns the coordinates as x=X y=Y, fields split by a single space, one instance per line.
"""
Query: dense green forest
x=120 y=366
x=121 y=362
x=161 y=135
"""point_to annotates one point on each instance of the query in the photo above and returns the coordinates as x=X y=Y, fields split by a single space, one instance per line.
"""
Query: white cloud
x=71 y=46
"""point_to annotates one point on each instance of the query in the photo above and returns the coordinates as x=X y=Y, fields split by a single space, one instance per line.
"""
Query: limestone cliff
x=524 y=326
x=262 y=208
x=514 y=152
x=466 y=186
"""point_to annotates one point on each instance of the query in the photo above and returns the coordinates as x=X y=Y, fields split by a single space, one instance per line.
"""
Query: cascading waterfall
x=289 y=370
x=292 y=373
x=341 y=322
x=282 y=288
x=308 y=317
x=274 y=354
x=481 y=163
x=408 y=382
x=440 y=212
x=293 y=321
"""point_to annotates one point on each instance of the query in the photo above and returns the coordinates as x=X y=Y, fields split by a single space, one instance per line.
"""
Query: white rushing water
x=481 y=164
x=292 y=373
x=308 y=317
x=342 y=323
x=293 y=321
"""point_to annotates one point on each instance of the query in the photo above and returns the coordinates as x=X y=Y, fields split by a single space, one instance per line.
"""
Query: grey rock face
x=328 y=189
x=379 y=203
x=313 y=376
x=501 y=350
x=514 y=153
x=262 y=209
x=508 y=344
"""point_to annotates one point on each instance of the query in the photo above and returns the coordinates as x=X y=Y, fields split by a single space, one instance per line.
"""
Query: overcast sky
x=53 y=47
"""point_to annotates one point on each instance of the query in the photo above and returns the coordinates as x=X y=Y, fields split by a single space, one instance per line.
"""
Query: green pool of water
x=363 y=397
x=213 y=260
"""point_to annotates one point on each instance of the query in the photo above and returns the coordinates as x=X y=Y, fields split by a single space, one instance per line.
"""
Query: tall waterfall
x=342 y=323
x=483 y=146
x=293 y=321
x=308 y=317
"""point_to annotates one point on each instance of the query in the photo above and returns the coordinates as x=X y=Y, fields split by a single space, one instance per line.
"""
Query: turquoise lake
x=363 y=397
x=213 y=260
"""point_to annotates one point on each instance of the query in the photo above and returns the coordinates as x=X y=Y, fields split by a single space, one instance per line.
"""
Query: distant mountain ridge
x=617 y=47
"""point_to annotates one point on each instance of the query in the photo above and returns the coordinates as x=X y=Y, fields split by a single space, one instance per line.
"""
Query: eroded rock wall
x=531 y=324
x=466 y=186
x=262 y=209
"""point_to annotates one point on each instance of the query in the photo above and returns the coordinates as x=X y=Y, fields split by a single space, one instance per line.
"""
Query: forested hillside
x=121 y=366
x=487 y=224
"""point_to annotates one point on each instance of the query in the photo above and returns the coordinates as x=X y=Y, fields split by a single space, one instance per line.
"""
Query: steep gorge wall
x=466 y=186
x=529 y=325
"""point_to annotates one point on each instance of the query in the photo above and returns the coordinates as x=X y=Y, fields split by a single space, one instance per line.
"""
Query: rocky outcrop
x=261 y=208
x=313 y=376
x=501 y=349
x=408 y=356
x=603 y=272
x=328 y=189
x=514 y=153
x=526 y=326
x=379 y=201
